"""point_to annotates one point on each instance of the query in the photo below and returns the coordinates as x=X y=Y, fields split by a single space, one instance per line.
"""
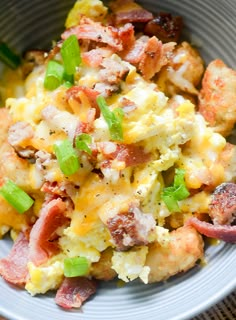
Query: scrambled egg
x=48 y=277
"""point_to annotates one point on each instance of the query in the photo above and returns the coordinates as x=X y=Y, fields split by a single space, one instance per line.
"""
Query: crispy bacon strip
x=165 y=27
x=155 y=56
x=94 y=57
x=54 y=188
x=225 y=233
x=13 y=268
x=130 y=228
x=113 y=71
x=95 y=31
x=43 y=237
x=74 y=291
x=129 y=11
x=135 y=52
x=127 y=36
x=222 y=208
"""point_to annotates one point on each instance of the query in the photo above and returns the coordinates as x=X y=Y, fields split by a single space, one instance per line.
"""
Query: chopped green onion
x=170 y=200
x=179 y=177
x=75 y=267
x=8 y=57
x=112 y=118
x=67 y=157
x=171 y=195
x=68 y=84
x=82 y=141
x=18 y=198
x=70 y=52
x=69 y=79
x=54 y=75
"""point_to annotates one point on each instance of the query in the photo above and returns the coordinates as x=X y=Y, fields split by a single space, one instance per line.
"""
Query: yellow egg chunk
x=92 y=9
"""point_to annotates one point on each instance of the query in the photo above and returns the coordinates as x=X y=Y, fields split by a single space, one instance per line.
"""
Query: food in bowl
x=114 y=159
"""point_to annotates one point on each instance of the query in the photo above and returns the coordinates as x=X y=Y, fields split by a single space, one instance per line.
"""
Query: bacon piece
x=165 y=27
x=85 y=98
x=135 y=52
x=222 y=208
x=83 y=127
x=127 y=105
x=95 y=31
x=155 y=56
x=110 y=76
x=131 y=154
x=129 y=11
x=130 y=228
x=106 y=89
x=43 y=236
x=54 y=188
x=13 y=268
x=91 y=94
x=225 y=233
x=74 y=291
x=113 y=71
x=94 y=57
x=19 y=136
x=127 y=36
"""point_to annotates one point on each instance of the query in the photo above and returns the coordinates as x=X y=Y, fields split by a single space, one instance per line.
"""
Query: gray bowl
x=209 y=24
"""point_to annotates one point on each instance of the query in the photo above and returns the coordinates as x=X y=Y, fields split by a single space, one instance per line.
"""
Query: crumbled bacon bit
x=130 y=228
x=95 y=31
x=129 y=11
x=131 y=154
x=94 y=58
x=127 y=36
x=91 y=94
x=165 y=27
x=54 y=188
x=222 y=208
x=127 y=105
x=74 y=291
x=113 y=71
x=133 y=54
x=155 y=56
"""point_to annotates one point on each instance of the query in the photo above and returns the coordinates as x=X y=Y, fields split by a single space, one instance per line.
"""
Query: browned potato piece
x=181 y=254
x=102 y=270
x=217 y=97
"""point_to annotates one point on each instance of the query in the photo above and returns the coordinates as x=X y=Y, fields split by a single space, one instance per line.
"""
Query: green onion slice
x=112 y=118
x=82 y=141
x=75 y=267
x=54 y=75
x=66 y=157
x=70 y=52
x=171 y=195
x=8 y=57
x=18 y=198
x=68 y=80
